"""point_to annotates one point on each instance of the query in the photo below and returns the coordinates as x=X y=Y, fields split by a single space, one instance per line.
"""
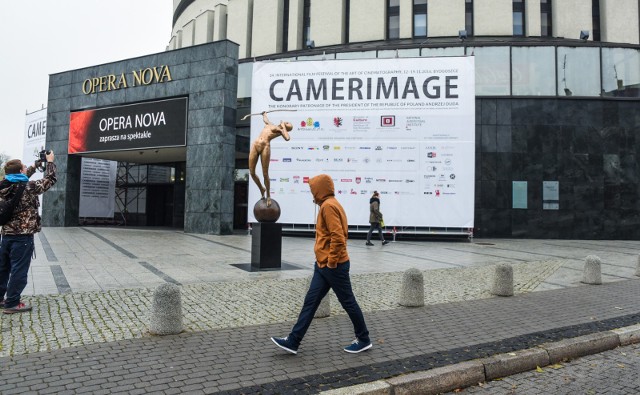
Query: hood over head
x=321 y=187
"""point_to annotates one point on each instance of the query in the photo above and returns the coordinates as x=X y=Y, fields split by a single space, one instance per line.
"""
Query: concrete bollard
x=412 y=290
x=592 y=273
x=503 y=280
x=166 y=310
x=324 y=310
x=638 y=267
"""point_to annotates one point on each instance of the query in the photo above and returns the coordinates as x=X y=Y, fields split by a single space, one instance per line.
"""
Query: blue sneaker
x=285 y=344
x=357 y=346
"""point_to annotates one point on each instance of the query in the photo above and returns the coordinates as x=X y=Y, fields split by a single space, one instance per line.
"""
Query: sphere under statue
x=264 y=213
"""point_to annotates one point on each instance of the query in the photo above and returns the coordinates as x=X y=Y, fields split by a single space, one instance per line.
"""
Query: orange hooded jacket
x=331 y=226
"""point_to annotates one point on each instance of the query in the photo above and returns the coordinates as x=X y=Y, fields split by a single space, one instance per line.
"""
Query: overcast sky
x=42 y=37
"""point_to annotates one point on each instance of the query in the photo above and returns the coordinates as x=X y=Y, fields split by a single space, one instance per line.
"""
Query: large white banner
x=404 y=127
x=35 y=135
x=97 y=188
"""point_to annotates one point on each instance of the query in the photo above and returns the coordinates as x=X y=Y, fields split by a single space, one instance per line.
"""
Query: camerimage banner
x=404 y=127
x=35 y=135
x=34 y=138
x=154 y=124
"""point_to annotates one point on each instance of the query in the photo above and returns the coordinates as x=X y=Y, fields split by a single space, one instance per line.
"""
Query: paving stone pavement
x=91 y=290
x=612 y=372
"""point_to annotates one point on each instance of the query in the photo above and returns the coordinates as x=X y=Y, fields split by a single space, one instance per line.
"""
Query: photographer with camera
x=16 y=245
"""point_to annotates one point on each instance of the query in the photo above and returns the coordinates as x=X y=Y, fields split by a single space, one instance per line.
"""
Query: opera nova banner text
x=154 y=124
x=404 y=127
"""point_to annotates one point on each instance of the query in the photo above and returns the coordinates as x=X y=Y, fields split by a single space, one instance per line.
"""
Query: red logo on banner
x=388 y=120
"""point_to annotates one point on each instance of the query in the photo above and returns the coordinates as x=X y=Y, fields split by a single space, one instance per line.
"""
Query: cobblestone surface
x=242 y=360
x=610 y=372
x=66 y=320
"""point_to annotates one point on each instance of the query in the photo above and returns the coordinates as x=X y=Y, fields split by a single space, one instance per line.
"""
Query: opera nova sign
x=112 y=82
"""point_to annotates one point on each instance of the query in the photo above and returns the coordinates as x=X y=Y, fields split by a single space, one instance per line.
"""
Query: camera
x=41 y=163
x=43 y=155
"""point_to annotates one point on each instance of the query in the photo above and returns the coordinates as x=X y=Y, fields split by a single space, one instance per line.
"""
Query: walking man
x=375 y=218
x=331 y=270
x=16 y=247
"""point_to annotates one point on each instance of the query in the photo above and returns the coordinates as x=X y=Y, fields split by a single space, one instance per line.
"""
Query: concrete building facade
x=202 y=76
x=557 y=91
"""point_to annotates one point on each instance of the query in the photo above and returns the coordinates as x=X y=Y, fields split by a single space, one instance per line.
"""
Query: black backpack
x=8 y=206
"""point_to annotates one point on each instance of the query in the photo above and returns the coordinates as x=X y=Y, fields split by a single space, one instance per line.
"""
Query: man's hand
x=50 y=156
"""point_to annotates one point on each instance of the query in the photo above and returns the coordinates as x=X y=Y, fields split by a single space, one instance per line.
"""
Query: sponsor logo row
x=385 y=121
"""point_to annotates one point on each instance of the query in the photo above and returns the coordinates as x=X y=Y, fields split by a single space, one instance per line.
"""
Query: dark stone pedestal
x=266 y=245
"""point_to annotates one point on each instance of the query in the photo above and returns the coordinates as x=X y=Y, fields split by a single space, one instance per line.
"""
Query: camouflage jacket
x=26 y=219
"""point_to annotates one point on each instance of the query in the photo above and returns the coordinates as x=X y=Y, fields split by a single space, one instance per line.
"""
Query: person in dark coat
x=375 y=217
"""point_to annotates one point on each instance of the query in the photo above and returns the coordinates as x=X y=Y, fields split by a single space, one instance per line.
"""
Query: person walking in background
x=330 y=271
x=16 y=247
x=375 y=218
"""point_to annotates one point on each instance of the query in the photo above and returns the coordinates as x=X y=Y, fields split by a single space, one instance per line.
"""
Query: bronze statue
x=261 y=147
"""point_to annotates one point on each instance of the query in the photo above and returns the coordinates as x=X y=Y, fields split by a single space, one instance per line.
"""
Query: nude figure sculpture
x=261 y=148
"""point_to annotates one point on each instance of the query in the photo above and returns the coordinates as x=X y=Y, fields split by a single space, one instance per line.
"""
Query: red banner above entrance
x=154 y=124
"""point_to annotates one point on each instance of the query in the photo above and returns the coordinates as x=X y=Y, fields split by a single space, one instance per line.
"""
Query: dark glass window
x=419 y=18
x=595 y=13
x=393 y=19
x=518 y=17
x=306 y=22
x=545 y=18
x=347 y=14
x=285 y=26
x=468 y=17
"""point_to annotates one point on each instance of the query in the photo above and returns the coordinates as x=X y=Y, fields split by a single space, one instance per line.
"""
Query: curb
x=465 y=374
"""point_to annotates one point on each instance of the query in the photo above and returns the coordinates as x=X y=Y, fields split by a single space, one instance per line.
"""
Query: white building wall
x=212 y=20
x=178 y=39
x=373 y=26
x=188 y=33
x=220 y=22
x=619 y=21
x=239 y=17
x=493 y=17
x=445 y=17
x=296 y=15
x=532 y=17
x=193 y=10
x=570 y=17
x=267 y=27
x=327 y=22
x=406 y=19
x=204 y=28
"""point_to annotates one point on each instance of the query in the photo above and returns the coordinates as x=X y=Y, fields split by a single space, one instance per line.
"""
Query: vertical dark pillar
x=61 y=203
x=266 y=245
x=211 y=140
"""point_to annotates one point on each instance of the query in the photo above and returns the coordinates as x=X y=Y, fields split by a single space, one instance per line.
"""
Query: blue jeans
x=374 y=226
x=323 y=280
x=15 y=259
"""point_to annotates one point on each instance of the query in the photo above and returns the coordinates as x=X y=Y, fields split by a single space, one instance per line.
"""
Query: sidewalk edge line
x=465 y=374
